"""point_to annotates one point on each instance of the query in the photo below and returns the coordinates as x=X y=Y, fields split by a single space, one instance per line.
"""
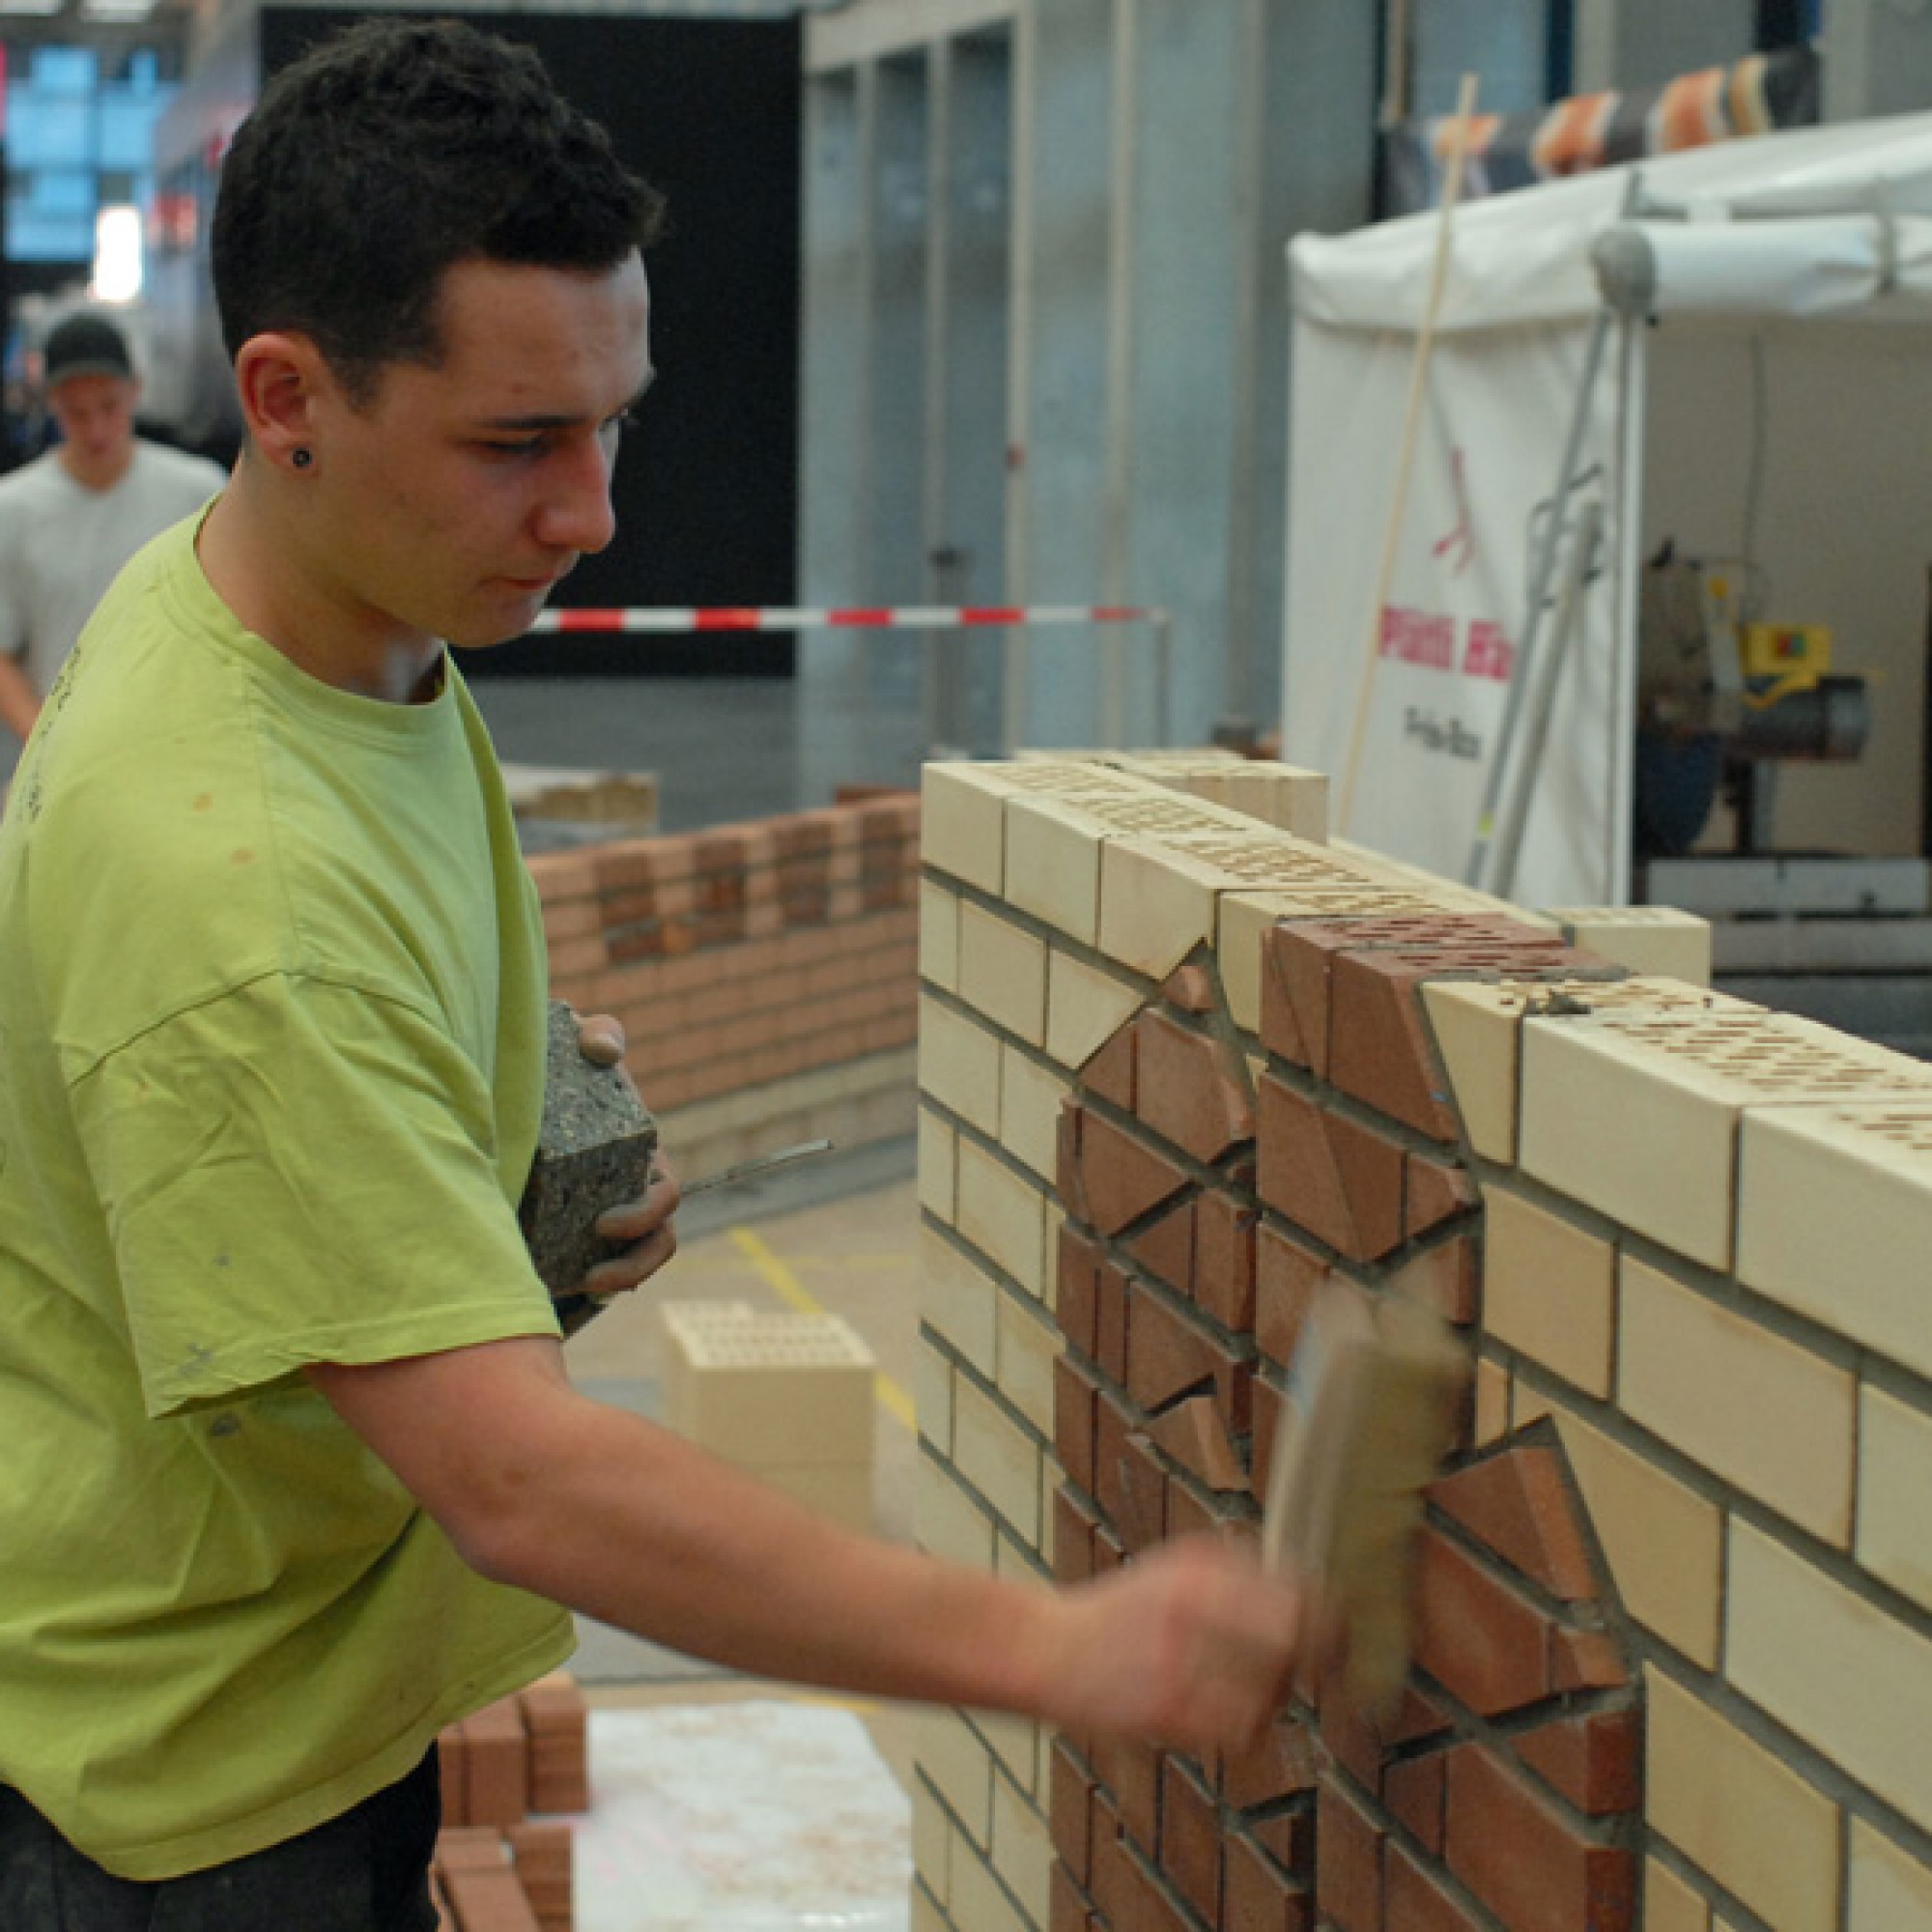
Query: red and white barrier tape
x=903 y=618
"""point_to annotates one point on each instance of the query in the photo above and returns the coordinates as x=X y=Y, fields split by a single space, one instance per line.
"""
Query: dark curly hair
x=384 y=155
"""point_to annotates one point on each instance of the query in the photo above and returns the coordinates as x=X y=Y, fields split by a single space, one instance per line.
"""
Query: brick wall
x=1673 y=1655
x=764 y=973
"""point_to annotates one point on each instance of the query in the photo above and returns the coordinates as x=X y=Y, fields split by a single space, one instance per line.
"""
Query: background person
x=73 y=516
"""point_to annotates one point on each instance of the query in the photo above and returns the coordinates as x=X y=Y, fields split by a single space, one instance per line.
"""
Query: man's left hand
x=645 y=1223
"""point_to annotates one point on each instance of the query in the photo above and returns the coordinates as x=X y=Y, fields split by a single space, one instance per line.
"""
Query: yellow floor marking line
x=789 y=1290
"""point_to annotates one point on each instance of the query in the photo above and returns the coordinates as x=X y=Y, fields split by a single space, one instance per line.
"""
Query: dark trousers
x=365 y=1871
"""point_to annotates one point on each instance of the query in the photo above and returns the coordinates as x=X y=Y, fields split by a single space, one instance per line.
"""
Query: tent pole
x=1425 y=342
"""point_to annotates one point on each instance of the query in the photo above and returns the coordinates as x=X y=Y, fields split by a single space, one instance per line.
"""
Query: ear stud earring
x=301 y=459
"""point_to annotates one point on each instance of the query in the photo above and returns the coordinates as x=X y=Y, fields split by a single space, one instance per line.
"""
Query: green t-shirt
x=272 y=995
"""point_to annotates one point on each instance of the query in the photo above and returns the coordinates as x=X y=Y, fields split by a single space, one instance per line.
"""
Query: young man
x=296 y=1474
x=72 y=518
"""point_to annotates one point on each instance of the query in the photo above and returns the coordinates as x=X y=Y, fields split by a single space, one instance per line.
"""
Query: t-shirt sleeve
x=301 y=1172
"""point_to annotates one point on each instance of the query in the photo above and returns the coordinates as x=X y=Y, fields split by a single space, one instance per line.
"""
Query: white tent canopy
x=1743 y=255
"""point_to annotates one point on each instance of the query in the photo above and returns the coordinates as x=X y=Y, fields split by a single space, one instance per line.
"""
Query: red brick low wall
x=765 y=973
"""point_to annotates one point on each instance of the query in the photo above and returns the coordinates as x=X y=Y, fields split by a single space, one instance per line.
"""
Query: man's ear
x=281 y=377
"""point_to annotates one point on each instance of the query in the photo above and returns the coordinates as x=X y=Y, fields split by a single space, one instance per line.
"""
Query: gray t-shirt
x=63 y=544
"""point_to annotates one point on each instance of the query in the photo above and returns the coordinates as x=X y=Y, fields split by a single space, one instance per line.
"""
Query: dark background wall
x=706 y=485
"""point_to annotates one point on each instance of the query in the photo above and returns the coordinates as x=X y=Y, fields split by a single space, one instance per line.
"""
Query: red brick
x=1285 y=1278
x=1130 y=1773
x=1586 y=1659
x=1188 y=1514
x=1519 y=1504
x=1114 y=1424
x=1485 y=1645
x=1280 y=1764
x=1073 y=1527
x=1593 y=1760
x=1075 y=1395
x=488 y=1901
x=1191 y=988
x=1371 y=1169
x=1260 y=1897
x=452 y=1751
x=1287 y=1837
x=1166 y=1248
x=1350 y=1734
x=1142 y=1516
x=1442 y=1278
x=563 y=875
x=1189 y=1089
x=1525 y=1862
x=1280 y=1023
x=1110 y=1320
x=1379 y=1047
x=1191 y=1839
x=1295 y=961
x=1436 y=1191
x=1075 y=1304
x=497 y=1771
x=1224 y=1259
x=1413 y=1789
x=1168 y=1353
x=1066 y=1905
x=1194 y=1435
x=1108 y=1178
x=1296 y=1166
x=1071 y=1810
x=1347 y=1862
x=1110 y=1069
x=1417 y=1903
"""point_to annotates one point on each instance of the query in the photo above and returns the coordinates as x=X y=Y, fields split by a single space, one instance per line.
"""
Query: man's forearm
x=20 y=701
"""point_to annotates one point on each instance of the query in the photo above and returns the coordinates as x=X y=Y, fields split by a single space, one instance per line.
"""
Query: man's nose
x=576 y=513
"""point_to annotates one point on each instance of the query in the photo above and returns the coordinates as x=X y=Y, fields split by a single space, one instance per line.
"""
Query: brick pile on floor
x=502 y=1857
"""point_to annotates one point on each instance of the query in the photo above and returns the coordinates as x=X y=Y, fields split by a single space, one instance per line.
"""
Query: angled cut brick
x=1111 y=1071
x=1167 y=1355
x=1070 y=1809
x=1167 y=1247
x=1595 y=1760
x=1193 y=1432
x=1142 y=1513
x=1129 y=1771
x=1189 y=1088
x=1280 y=1764
x=1113 y=1424
x=1073 y=1527
x=1191 y=988
x=1076 y=1303
x=1370 y=1166
x=1191 y=1839
x=1525 y=1862
x=1285 y=1278
x=1075 y=1408
x=1224 y=1259
x=1488 y=1646
x=1110 y=1320
x=1518 y=1503
x=1435 y=1191
x=1415 y=1791
x=1298 y=1173
x=1107 y=1178
x=1417 y=1903
x=1258 y=1896
x=1348 y=1866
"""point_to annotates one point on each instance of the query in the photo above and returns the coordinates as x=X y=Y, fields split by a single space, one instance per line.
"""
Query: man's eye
x=523 y=445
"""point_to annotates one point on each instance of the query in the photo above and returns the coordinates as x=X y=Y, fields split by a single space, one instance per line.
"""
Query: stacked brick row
x=1673 y=1615
x=764 y=972
x=503 y=1856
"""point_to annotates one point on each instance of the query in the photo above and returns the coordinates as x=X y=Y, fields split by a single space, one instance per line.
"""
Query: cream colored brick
x=1764 y=1413
x=1669 y=1904
x=962 y=822
x=1647 y=939
x=1003 y=1215
x=1492 y=1402
x=1833 y=1667
x=939 y=935
x=1023 y=1852
x=1029 y=1345
x=1835 y=1219
x=1156 y=904
x=771 y=1388
x=947 y=1522
x=1665 y=1543
x=960 y=1767
x=1003 y=973
x=999 y=1458
x=1735 y=1811
x=1548 y=1288
x=959 y=1064
x=932 y=1395
x=1053 y=864
x=931 y=1841
x=927 y=1917
x=1890 y=1890
x=1030 y=1097
x=1085 y=1007
x=1636 y=1113
x=1895 y=1537
x=1297 y=801
x=979 y=1902
x=938 y=1160
x=1476 y=1034
x=1243 y=917
x=957 y=1301
x=1015 y=1744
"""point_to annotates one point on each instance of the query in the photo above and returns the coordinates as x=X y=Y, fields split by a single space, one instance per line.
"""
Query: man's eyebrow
x=535 y=422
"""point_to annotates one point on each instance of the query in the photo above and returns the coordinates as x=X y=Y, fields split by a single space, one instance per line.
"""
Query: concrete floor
x=854 y=1256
